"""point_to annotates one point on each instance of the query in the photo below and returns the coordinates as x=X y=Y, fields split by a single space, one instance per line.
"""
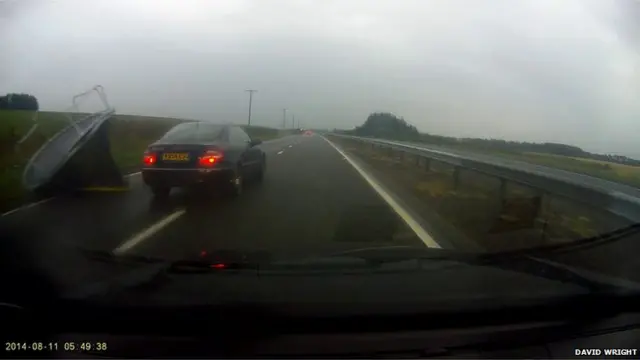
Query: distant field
x=625 y=174
x=129 y=137
x=620 y=169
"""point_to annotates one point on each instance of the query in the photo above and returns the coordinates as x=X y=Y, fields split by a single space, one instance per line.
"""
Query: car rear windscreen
x=193 y=132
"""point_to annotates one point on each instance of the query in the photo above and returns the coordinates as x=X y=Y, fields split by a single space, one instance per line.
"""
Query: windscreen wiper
x=111 y=257
x=386 y=254
x=394 y=253
x=223 y=261
x=580 y=244
x=191 y=266
x=151 y=272
x=594 y=282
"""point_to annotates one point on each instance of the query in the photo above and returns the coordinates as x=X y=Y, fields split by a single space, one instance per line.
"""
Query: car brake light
x=209 y=158
x=149 y=159
x=218 y=266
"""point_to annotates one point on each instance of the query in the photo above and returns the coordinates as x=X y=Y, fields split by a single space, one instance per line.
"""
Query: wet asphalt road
x=311 y=202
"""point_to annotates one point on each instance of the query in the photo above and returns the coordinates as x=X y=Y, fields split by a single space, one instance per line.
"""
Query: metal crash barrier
x=613 y=201
x=78 y=157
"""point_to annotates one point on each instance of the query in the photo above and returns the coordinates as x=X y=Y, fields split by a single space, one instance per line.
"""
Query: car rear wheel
x=160 y=191
x=263 y=168
x=236 y=184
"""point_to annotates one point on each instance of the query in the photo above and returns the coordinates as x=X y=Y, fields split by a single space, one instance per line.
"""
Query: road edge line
x=26 y=206
x=148 y=232
x=30 y=205
x=413 y=224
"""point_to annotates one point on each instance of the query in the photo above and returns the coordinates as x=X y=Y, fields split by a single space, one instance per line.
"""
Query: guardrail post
x=456 y=177
x=618 y=204
x=543 y=213
x=503 y=189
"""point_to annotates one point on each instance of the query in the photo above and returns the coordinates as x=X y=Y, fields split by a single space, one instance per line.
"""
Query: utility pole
x=250 y=100
x=293 y=121
x=284 y=118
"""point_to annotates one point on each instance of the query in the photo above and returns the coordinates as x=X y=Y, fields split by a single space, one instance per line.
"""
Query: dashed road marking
x=148 y=232
x=404 y=215
x=27 y=206
x=106 y=189
x=280 y=152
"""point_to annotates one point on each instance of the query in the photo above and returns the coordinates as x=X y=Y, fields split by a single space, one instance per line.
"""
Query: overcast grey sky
x=534 y=70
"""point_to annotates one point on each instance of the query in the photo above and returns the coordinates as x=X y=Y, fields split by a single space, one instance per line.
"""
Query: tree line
x=388 y=126
x=14 y=101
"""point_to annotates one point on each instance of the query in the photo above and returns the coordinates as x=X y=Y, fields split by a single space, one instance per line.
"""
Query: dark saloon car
x=204 y=154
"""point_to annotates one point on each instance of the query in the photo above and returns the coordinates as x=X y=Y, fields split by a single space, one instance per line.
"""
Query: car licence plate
x=175 y=156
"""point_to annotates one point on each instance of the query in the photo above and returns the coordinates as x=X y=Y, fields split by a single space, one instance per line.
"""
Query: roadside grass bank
x=129 y=136
x=477 y=207
x=620 y=173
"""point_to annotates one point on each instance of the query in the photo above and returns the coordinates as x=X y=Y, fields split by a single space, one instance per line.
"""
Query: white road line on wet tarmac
x=29 y=206
x=290 y=145
x=404 y=215
x=25 y=207
x=148 y=232
x=280 y=152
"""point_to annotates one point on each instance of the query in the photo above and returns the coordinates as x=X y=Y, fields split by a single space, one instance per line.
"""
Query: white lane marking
x=25 y=207
x=28 y=206
x=148 y=232
x=280 y=152
x=404 y=215
x=290 y=145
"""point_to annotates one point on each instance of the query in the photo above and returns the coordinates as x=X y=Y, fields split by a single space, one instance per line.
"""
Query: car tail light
x=210 y=158
x=149 y=158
